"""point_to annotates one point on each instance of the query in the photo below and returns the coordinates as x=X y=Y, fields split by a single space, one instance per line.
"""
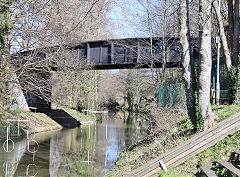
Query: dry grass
x=164 y=119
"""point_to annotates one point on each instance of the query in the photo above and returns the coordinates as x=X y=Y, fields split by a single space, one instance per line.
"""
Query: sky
x=121 y=16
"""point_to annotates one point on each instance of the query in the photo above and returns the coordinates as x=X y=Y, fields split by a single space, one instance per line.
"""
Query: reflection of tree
x=12 y=159
x=130 y=129
x=68 y=149
x=134 y=130
x=55 y=158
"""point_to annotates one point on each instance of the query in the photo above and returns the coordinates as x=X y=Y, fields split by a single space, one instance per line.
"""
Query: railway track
x=188 y=149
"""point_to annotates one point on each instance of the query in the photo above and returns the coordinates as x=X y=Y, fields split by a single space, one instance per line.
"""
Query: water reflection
x=85 y=151
x=9 y=161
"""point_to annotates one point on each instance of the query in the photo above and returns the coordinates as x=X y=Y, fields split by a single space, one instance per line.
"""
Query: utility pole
x=218 y=62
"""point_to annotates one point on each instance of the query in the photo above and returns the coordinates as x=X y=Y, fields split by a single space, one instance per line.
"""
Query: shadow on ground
x=63 y=118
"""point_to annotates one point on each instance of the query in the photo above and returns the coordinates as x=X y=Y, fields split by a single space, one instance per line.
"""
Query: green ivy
x=234 y=83
x=5 y=26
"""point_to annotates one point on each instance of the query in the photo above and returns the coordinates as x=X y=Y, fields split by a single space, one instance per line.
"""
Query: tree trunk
x=235 y=50
x=205 y=56
x=188 y=71
x=223 y=35
x=230 y=21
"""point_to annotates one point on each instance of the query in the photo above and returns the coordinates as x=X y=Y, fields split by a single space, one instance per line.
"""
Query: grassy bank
x=82 y=117
x=225 y=111
x=174 y=133
x=37 y=122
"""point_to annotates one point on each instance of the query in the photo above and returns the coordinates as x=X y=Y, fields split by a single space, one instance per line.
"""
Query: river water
x=90 y=150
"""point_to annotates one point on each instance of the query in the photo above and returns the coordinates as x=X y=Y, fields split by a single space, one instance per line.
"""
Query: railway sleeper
x=207 y=172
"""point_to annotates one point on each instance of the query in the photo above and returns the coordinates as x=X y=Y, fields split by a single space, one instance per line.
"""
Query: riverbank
x=33 y=122
x=84 y=118
x=171 y=130
x=41 y=122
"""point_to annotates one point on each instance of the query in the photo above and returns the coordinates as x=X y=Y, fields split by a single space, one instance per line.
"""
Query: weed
x=223 y=172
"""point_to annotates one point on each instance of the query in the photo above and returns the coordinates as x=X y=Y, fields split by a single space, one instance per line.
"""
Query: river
x=90 y=150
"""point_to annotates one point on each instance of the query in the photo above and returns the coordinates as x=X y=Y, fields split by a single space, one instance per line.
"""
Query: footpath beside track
x=190 y=148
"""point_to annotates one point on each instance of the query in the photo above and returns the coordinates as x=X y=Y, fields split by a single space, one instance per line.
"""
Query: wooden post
x=18 y=127
x=88 y=157
x=170 y=95
x=12 y=120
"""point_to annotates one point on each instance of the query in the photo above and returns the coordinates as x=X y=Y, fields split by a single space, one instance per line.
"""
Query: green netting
x=171 y=95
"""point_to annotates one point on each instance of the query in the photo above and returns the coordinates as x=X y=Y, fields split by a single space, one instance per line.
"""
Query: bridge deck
x=114 y=54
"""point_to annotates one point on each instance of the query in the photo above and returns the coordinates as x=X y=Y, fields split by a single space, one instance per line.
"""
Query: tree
x=187 y=61
x=234 y=28
x=5 y=27
x=205 y=57
x=42 y=24
x=205 y=118
x=229 y=32
x=157 y=20
x=223 y=35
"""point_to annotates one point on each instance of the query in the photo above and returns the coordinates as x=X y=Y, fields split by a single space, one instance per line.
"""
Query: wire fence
x=172 y=95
